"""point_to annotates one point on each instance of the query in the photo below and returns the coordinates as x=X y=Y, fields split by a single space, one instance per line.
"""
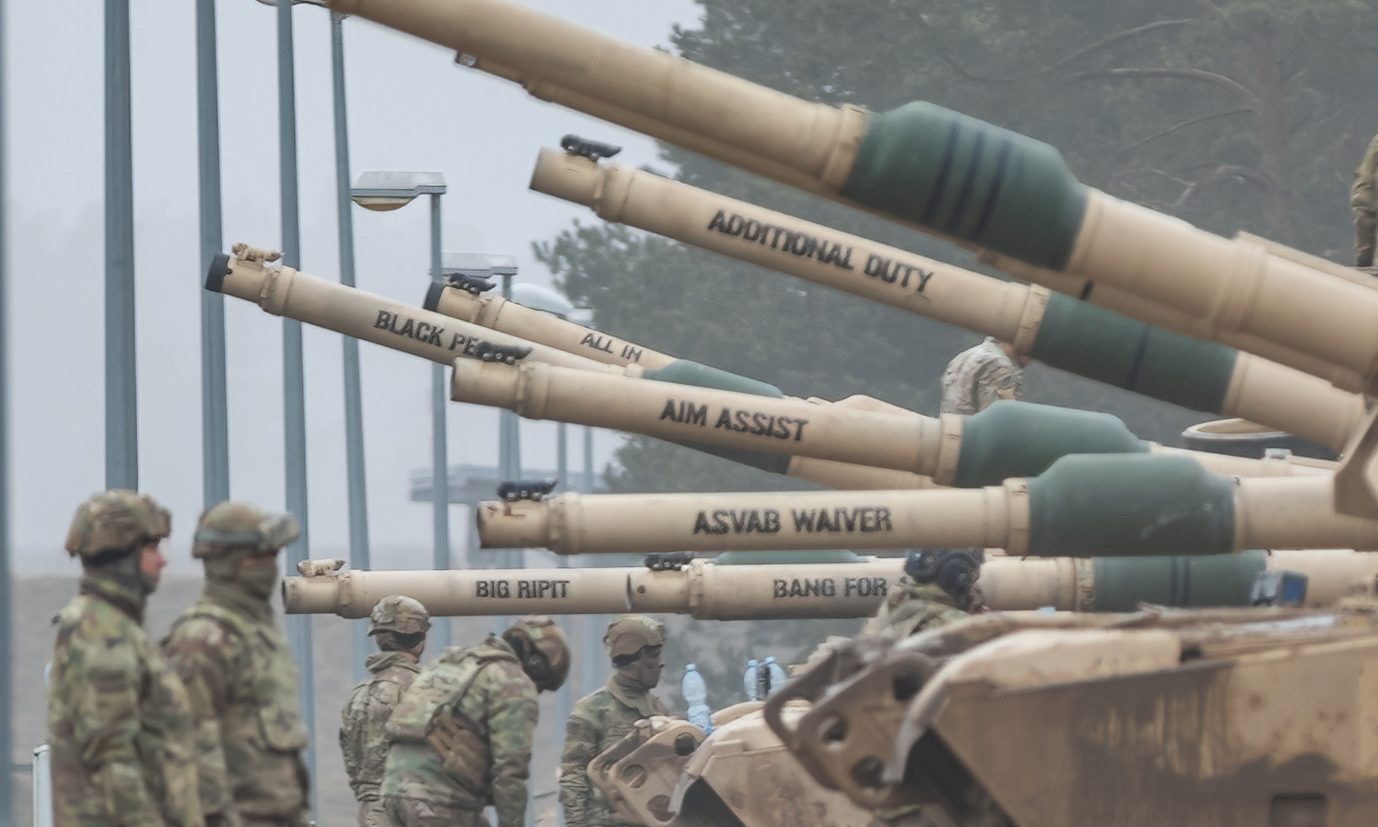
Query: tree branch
x=1183 y=125
x=1213 y=78
x=1120 y=37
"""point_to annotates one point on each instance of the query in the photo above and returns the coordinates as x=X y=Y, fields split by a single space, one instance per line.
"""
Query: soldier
x=119 y=722
x=461 y=736
x=240 y=674
x=975 y=378
x=1363 y=202
x=398 y=624
x=939 y=587
x=601 y=719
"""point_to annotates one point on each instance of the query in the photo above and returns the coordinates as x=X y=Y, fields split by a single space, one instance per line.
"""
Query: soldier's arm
x=512 y=712
x=205 y=655
x=1362 y=195
x=363 y=724
x=997 y=381
x=106 y=712
x=581 y=747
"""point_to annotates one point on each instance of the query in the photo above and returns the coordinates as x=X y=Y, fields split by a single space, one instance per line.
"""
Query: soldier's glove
x=1364 y=259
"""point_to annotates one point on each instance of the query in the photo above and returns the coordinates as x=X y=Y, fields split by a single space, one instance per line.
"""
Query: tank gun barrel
x=507 y=316
x=1082 y=506
x=956 y=176
x=709 y=590
x=251 y=274
x=1055 y=329
x=962 y=451
x=284 y=291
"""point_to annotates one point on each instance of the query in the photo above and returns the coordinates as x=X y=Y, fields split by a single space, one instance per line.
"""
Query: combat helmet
x=955 y=571
x=399 y=614
x=543 y=650
x=238 y=526
x=116 y=520
x=628 y=634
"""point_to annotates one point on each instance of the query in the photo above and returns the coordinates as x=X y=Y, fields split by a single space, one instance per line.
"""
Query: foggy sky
x=410 y=107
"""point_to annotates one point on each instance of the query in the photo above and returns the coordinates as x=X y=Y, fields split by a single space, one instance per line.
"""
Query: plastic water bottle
x=777 y=674
x=749 y=679
x=695 y=693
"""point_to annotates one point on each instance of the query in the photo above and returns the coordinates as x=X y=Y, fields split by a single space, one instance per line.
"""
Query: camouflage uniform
x=119 y=723
x=240 y=674
x=461 y=736
x=601 y=719
x=939 y=587
x=911 y=608
x=363 y=741
x=977 y=377
x=1363 y=203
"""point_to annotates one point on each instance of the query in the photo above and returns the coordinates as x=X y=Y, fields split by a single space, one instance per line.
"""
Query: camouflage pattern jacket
x=243 y=682
x=911 y=608
x=597 y=722
x=461 y=736
x=1363 y=202
x=977 y=377
x=363 y=741
x=119 y=722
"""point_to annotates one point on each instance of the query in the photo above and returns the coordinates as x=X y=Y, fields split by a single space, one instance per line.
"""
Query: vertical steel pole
x=565 y=702
x=592 y=632
x=121 y=394
x=354 y=406
x=509 y=460
x=6 y=589
x=215 y=440
x=440 y=469
x=293 y=377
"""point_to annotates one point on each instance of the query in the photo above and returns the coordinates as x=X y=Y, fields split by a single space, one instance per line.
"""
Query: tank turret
x=1030 y=720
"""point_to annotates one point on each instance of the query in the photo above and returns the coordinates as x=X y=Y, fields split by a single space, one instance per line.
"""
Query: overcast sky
x=410 y=107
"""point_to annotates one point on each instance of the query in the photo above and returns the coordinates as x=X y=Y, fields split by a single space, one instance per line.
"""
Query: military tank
x=1178 y=714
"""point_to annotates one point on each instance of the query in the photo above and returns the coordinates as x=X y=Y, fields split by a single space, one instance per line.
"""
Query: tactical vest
x=433 y=712
x=261 y=726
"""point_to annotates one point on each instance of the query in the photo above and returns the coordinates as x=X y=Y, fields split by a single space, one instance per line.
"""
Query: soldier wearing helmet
x=240 y=674
x=398 y=625
x=461 y=736
x=119 y=722
x=939 y=587
x=601 y=719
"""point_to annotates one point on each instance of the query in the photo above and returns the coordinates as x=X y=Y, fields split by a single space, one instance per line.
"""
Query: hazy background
x=410 y=107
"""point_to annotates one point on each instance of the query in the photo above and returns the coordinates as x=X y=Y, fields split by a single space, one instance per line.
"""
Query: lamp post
x=121 y=401
x=215 y=441
x=293 y=370
x=382 y=192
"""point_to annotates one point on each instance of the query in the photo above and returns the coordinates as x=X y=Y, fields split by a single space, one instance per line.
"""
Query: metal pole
x=565 y=702
x=6 y=591
x=121 y=411
x=354 y=406
x=440 y=477
x=509 y=459
x=215 y=440
x=592 y=623
x=293 y=376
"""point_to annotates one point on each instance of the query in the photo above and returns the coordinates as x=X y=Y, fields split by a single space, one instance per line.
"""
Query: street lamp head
x=384 y=191
x=477 y=265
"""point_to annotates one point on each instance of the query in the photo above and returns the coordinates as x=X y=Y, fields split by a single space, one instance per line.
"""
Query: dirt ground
x=39 y=598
